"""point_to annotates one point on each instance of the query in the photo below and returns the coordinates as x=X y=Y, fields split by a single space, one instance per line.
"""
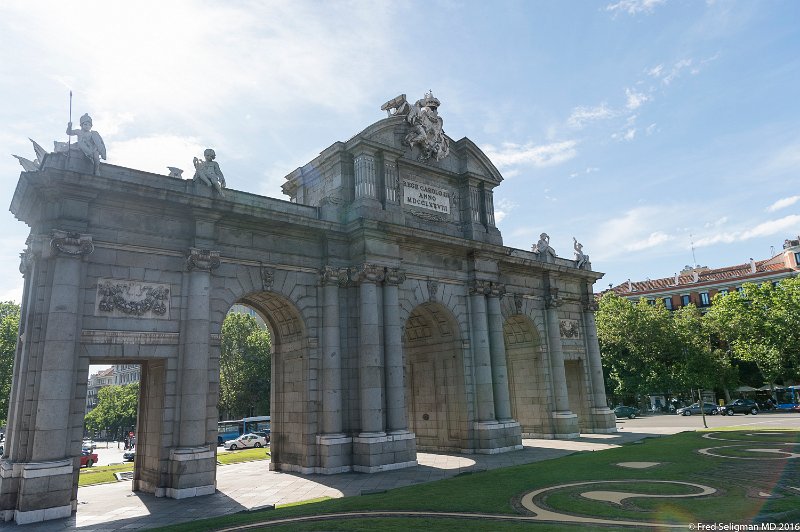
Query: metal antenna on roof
x=691 y=241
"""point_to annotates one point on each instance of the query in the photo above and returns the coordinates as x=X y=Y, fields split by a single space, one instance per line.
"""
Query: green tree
x=9 y=332
x=245 y=367
x=115 y=411
x=762 y=324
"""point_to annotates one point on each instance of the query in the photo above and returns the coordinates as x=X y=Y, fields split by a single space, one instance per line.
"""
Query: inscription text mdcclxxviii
x=424 y=196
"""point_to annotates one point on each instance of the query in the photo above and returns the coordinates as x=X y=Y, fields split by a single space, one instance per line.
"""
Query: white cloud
x=582 y=115
x=716 y=223
x=783 y=225
x=627 y=135
x=634 y=99
x=502 y=208
x=637 y=229
x=650 y=129
x=633 y=7
x=783 y=203
x=510 y=154
x=650 y=241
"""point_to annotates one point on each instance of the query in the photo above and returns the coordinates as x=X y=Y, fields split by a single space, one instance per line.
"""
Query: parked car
x=88 y=458
x=708 y=408
x=629 y=412
x=264 y=433
x=89 y=444
x=245 y=441
x=129 y=456
x=739 y=406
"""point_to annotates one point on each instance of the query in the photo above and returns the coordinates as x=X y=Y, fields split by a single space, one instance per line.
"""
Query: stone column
x=370 y=351
x=393 y=347
x=497 y=348
x=565 y=422
x=192 y=469
x=603 y=418
x=331 y=278
x=481 y=351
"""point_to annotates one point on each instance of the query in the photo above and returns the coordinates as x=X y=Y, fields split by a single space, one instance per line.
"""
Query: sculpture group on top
x=90 y=143
x=427 y=131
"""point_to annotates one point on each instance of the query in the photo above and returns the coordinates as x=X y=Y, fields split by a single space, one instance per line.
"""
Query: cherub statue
x=543 y=246
x=89 y=142
x=208 y=171
x=581 y=259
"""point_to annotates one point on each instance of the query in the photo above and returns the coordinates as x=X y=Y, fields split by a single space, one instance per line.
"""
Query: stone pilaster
x=192 y=469
x=393 y=347
x=334 y=447
x=497 y=348
x=370 y=350
x=565 y=422
x=481 y=351
x=603 y=418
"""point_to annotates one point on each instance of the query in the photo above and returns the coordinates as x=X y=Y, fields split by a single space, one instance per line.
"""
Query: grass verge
x=102 y=474
x=747 y=491
x=243 y=455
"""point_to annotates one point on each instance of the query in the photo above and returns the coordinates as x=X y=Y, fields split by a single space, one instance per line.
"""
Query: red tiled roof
x=740 y=272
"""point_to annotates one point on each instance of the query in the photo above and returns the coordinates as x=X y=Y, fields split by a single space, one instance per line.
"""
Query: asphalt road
x=670 y=423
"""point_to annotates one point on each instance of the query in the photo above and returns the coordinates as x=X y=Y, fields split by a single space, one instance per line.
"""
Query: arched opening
x=435 y=401
x=289 y=399
x=526 y=377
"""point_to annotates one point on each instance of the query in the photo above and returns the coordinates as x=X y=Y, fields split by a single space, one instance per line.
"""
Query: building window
x=651 y=302
x=797 y=259
x=740 y=289
x=724 y=291
x=704 y=300
x=668 y=303
x=685 y=300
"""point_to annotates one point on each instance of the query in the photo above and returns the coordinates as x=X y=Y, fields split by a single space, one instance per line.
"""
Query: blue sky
x=636 y=126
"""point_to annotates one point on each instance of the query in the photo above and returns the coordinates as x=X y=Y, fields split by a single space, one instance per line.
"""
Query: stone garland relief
x=132 y=299
x=569 y=329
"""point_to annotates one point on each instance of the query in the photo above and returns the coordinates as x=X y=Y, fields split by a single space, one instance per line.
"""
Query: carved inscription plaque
x=423 y=196
x=133 y=299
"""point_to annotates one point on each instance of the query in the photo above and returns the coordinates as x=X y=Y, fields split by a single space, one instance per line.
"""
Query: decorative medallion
x=202 y=259
x=433 y=287
x=72 y=243
x=569 y=328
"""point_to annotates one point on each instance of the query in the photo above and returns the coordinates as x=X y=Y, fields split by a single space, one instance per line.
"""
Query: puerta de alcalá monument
x=399 y=320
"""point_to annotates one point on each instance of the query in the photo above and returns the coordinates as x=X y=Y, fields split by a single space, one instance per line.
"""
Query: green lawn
x=741 y=486
x=105 y=474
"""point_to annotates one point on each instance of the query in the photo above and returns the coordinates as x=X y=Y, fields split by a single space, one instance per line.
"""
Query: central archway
x=288 y=397
x=436 y=399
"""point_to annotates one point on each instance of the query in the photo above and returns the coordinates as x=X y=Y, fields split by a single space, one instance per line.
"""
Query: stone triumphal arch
x=400 y=321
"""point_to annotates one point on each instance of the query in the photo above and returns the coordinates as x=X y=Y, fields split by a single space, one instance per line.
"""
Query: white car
x=245 y=441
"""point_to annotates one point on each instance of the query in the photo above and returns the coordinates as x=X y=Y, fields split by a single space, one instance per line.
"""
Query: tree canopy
x=245 y=367
x=9 y=332
x=115 y=411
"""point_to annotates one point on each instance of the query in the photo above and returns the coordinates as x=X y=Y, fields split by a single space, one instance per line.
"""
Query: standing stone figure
x=89 y=142
x=208 y=171
x=581 y=259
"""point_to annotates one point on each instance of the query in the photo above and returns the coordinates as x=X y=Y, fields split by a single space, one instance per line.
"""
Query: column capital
x=367 y=273
x=394 y=276
x=479 y=287
x=69 y=243
x=590 y=304
x=26 y=260
x=551 y=300
x=202 y=259
x=497 y=290
x=331 y=275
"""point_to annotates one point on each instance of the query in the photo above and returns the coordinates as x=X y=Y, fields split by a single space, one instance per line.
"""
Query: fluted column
x=480 y=348
x=393 y=347
x=194 y=362
x=497 y=348
x=331 y=279
x=370 y=350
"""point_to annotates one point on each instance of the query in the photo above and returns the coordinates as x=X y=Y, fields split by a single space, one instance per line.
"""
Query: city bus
x=229 y=430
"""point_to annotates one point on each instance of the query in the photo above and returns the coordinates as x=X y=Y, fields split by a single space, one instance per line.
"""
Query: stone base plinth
x=335 y=451
x=494 y=437
x=603 y=421
x=373 y=452
x=33 y=492
x=192 y=473
x=565 y=425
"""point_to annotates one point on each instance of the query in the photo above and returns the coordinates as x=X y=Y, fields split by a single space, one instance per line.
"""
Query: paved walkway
x=247 y=486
